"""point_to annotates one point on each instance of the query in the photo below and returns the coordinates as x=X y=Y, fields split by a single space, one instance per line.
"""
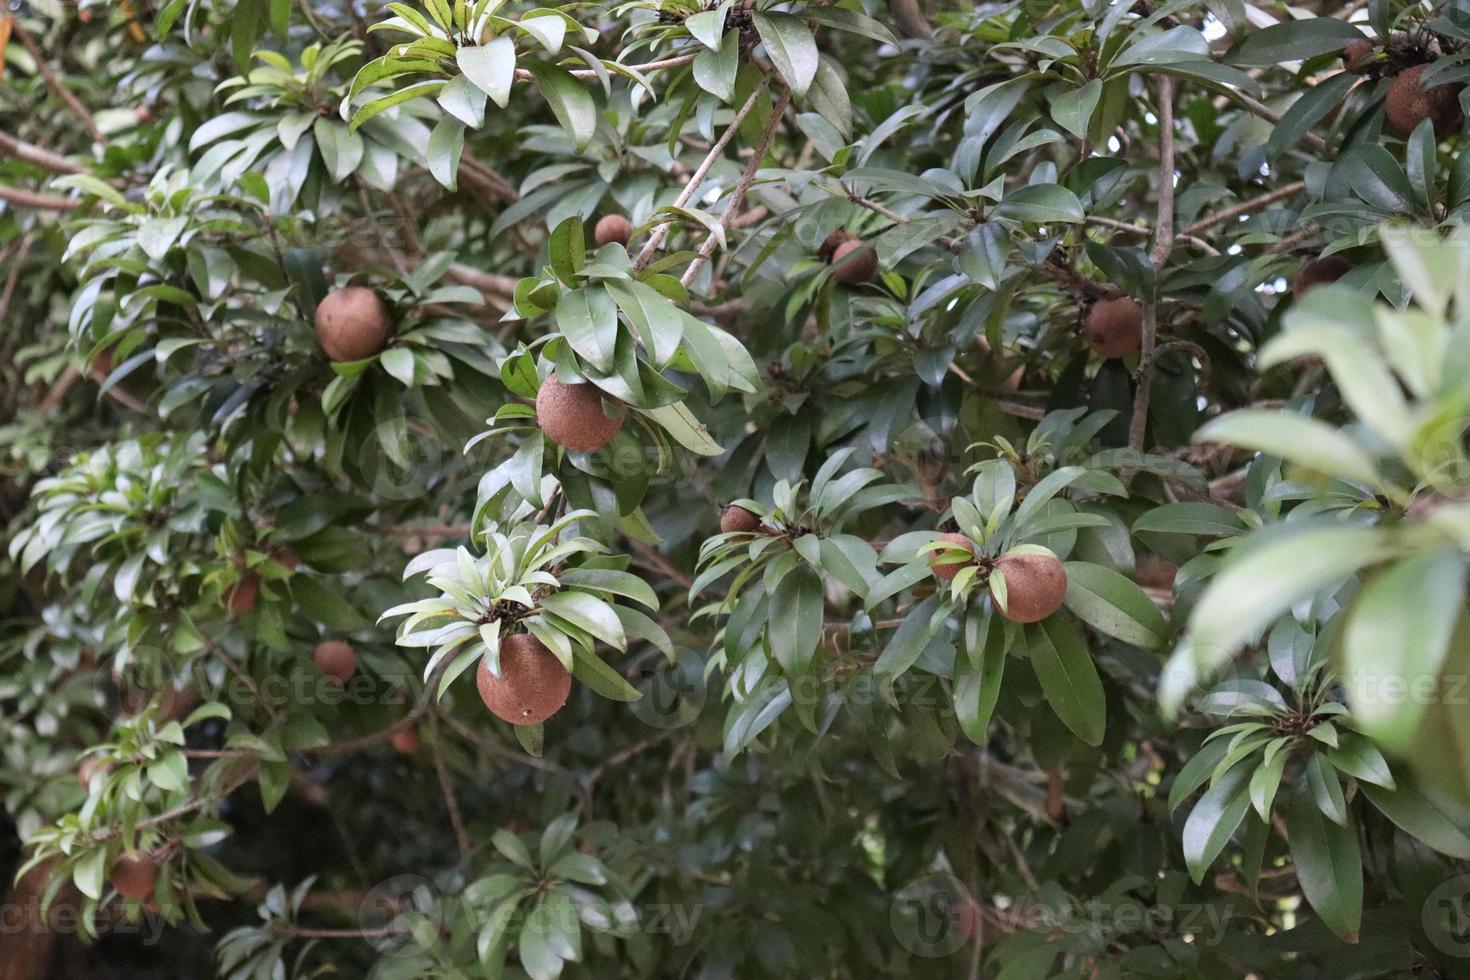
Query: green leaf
x=570 y=102
x=446 y=143
x=1189 y=517
x=1394 y=641
x=977 y=691
x=1329 y=866
x=1068 y=677
x=686 y=430
x=588 y=318
x=1114 y=604
x=1257 y=586
x=601 y=677
x=1294 y=40
x=796 y=620
x=791 y=47
x=1296 y=439
x=1214 y=820
x=655 y=320
x=491 y=67
x=1418 y=814
x=1073 y=108
x=1041 y=204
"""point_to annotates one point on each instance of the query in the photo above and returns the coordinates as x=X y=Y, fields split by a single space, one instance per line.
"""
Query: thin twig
x=38 y=201
x=737 y=199
x=451 y=802
x=1159 y=257
x=659 y=233
x=1245 y=207
x=39 y=156
x=67 y=96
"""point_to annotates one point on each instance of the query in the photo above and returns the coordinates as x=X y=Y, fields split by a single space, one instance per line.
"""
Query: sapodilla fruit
x=352 y=323
x=1114 y=327
x=336 y=660
x=134 y=875
x=242 y=599
x=612 y=228
x=1357 y=54
x=405 y=742
x=854 y=262
x=832 y=241
x=1408 y=104
x=735 y=520
x=532 y=686
x=1319 y=272
x=1035 y=586
x=946 y=569
x=573 y=416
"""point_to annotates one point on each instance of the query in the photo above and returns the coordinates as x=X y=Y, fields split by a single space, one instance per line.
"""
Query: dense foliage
x=791 y=488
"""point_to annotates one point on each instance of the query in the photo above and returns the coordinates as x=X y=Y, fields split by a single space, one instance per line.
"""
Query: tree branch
x=715 y=152
x=40 y=157
x=737 y=199
x=1159 y=257
x=1245 y=207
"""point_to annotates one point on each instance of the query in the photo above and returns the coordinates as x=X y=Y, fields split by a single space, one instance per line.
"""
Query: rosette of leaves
x=288 y=136
x=1003 y=516
x=462 y=54
x=529 y=905
x=775 y=603
x=1287 y=749
x=142 y=774
x=1364 y=509
x=623 y=332
x=124 y=513
x=543 y=579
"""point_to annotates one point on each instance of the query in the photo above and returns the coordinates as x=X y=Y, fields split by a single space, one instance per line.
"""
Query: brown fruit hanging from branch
x=1319 y=272
x=573 y=416
x=612 y=228
x=336 y=660
x=406 y=741
x=134 y=875
x=1036 y=584
x=532 y=686
x=242 y=599
x=1114 y=327
x=945 y=569
x=854 y=262
x=1409 y=103
x=352 y=323
x=1357 y=56
x=738 y=520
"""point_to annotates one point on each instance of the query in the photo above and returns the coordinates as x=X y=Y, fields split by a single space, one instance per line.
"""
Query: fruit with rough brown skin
x=1319 y=272
x=946 y=569
x=1036 y=584
x=573 y=416
x=135 y=874
x=405 y=742
x=1408 y=104
x=1356 y=56
x=336 y=660
x=242 y=599
x=612 y=228
x=1114 y=327
x=854 y=262
x=352 y=323
x=532 y=686
x=832 y=241
x=738 y=520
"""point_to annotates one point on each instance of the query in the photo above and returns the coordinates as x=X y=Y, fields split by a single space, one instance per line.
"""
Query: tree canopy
x=791 y=488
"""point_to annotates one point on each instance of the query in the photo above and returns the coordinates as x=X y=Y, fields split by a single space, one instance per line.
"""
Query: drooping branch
x=72 y=102
x=1245 y=207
